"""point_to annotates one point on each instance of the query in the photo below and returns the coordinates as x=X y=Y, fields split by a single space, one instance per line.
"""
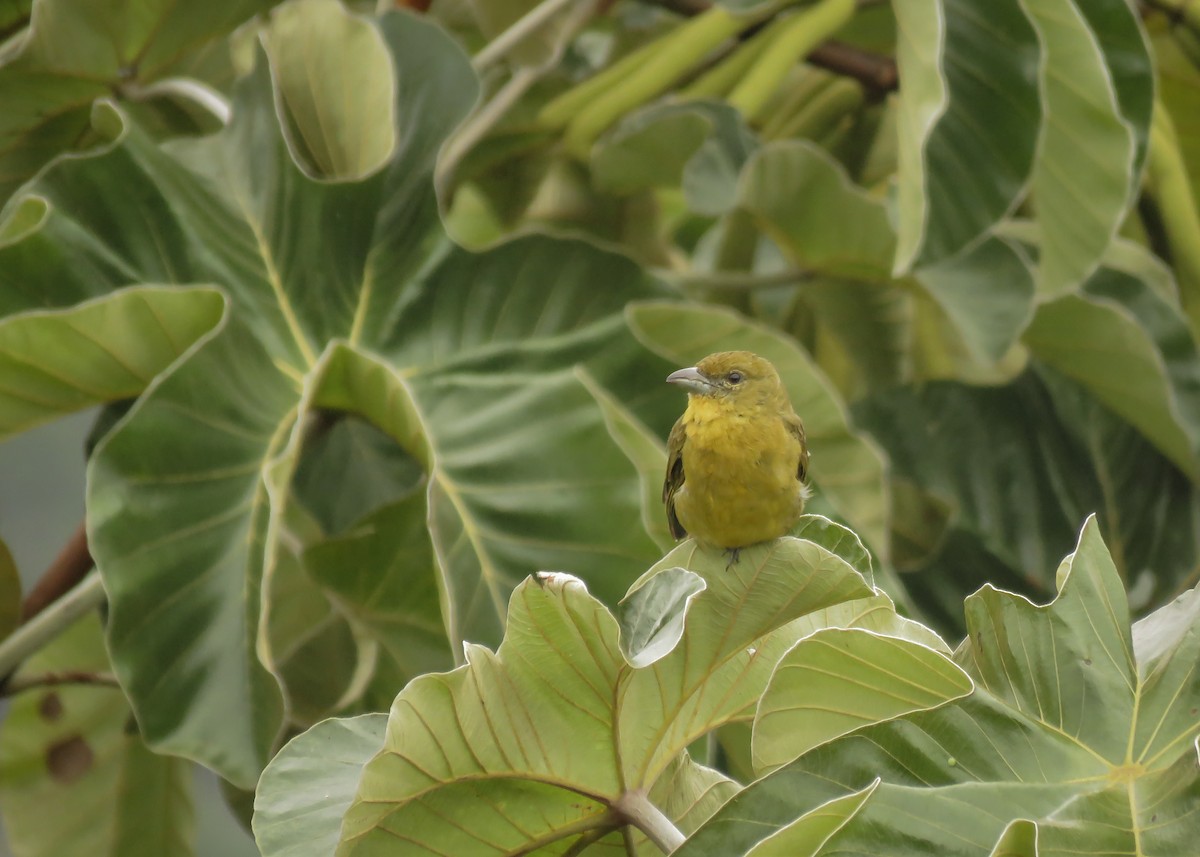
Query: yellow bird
x=737 y=459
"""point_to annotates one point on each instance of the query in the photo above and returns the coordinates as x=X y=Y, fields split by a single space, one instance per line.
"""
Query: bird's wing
x=796 y=428
x=674 y=478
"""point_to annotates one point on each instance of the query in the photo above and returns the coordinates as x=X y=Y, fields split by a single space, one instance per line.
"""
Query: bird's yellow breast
x=741 y=485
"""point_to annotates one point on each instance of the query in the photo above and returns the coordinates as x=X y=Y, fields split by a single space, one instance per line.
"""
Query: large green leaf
x=968 y=120
x=1134 y=351
x=1071 y=724
x=838 y=234
x=471 y=431
x=77 y=52
x=839 y=679
x=320 y=93
x=553 y=728
x=189 y=494
x=1054 y=95
x=75 y=776
x=846 y=467
x=55 y=362
x=305 y=790
x=1097 y=93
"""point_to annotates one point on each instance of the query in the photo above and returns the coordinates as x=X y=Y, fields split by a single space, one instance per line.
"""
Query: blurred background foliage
x=372 y=339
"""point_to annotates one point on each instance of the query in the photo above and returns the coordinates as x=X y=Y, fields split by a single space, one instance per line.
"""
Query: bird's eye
x=735 y=377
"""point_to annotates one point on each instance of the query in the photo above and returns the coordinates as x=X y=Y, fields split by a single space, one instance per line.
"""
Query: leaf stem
x=40 y=630
x=635 y=807
x=481 y=122
x=518 y=31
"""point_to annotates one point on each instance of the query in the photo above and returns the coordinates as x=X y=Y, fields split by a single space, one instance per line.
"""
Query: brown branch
x=68 y=568
x=20 y=684
x=877 y=73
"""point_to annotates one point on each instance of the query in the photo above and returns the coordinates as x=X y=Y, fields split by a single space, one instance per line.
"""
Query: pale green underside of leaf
x=307 y=787
x=837 y=680
x=55 y=362
x=1063 y=728
x=550 y=729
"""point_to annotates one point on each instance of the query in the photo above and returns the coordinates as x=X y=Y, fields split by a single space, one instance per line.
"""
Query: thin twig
x=520 y=29
x=68 y=568
x=877 y=73
x=20 y=684
x=482 y=121
x=50 y=622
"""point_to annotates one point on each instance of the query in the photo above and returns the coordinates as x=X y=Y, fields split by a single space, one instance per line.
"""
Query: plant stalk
x=804 y=32
x=635 y=807
x=518 y=31
x=41 y=629
x=724 y=76
x=674 y=57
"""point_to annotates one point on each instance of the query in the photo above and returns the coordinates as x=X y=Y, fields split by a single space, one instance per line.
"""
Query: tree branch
x=68 y=568
x=877 y=73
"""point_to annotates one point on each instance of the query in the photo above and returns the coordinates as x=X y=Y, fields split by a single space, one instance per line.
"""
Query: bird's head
x=731 y=375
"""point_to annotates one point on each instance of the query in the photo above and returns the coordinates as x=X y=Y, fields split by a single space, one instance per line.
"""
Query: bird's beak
x=691 y=379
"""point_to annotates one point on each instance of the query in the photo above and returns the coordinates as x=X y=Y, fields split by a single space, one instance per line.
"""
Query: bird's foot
x=733 y=554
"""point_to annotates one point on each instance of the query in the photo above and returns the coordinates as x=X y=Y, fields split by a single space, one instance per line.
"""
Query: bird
x=737 y=459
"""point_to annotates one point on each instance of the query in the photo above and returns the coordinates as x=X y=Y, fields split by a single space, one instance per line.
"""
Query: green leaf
x=1097 y=93
x=645 y=451
x=809 y=832
x=652 y=625
x=1069 y=725
x=699 y=145
x=836 y=539
x=1055 y=455
x=55 y=362
x=968 y=118
x=190 y=494
x=73 y=55
x=76 y=748
x=381 y=575
x=1055 y=95
x=839 y=679
x=987 y=294
x=306 y=788
x=800 y=197
x=457 y=738
x=1134 y=351
x=649 y=148
x=472 y=433
x=318 y=92
x=690 y=793
x=846 y=466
